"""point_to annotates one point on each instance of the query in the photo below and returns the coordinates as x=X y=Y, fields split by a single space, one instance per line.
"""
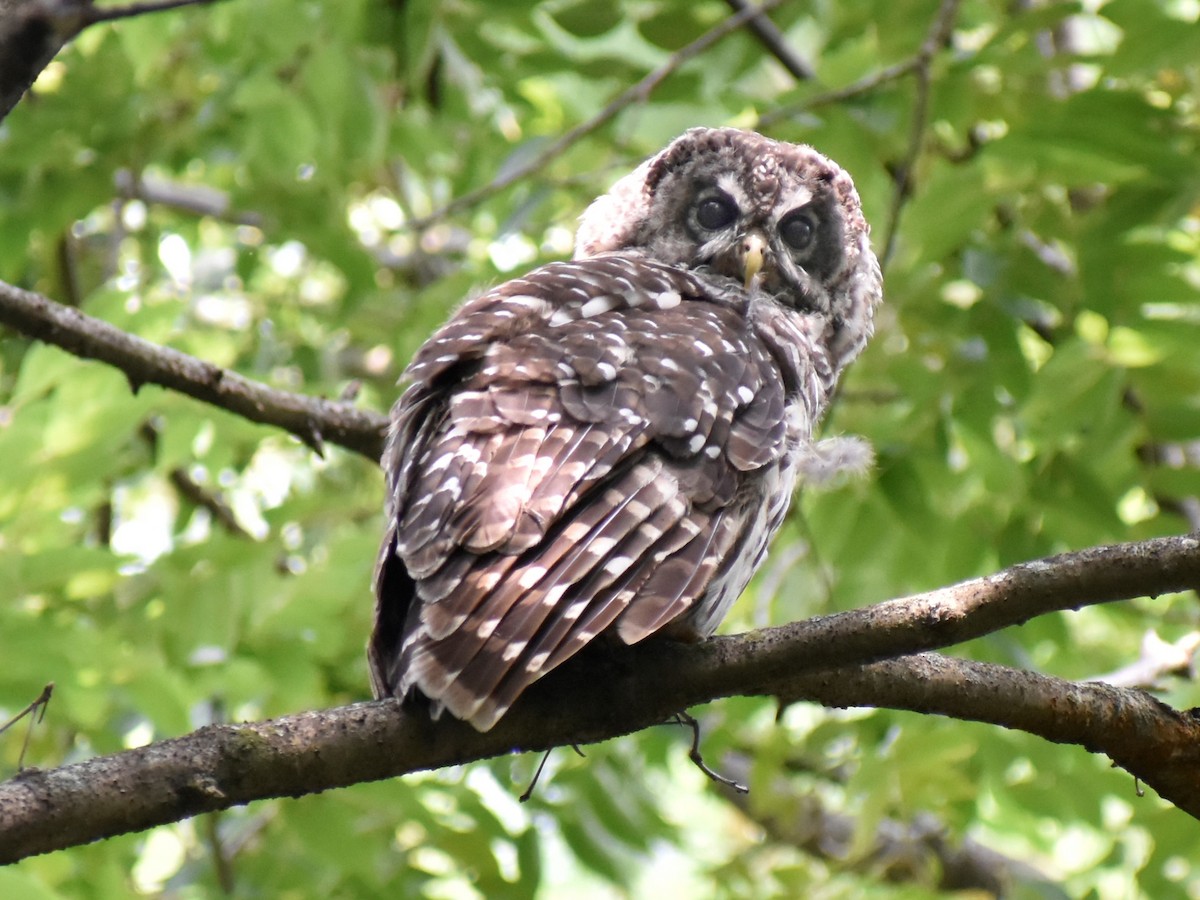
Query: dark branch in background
x=774 y=42
x=920 y=65
x=112 y=13
x=33 y=31
x=917 y=851
x=68 y=272
x=194 y=492
x=638 y=93
x=312 y=420
x=608 y=691
x=840 y=95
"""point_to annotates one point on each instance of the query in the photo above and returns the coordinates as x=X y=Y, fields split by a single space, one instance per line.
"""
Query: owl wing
x=576 y=454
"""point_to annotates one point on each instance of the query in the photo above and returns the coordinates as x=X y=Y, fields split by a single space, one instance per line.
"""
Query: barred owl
x=605 y=446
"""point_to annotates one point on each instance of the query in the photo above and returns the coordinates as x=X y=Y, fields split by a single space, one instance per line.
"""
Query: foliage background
x=1034 y=387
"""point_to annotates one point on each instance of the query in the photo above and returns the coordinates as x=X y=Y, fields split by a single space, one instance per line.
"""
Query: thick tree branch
x=609 y=691
x=313 y=420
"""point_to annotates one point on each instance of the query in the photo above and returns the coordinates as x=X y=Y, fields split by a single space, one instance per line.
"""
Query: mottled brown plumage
x=606 y=445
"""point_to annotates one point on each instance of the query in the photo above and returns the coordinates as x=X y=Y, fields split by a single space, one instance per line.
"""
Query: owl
x=605 y=446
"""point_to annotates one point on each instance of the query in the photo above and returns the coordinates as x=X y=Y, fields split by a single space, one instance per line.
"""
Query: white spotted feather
x=605 y=446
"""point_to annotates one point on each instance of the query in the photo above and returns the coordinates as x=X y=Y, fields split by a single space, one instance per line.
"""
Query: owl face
x=776 y=218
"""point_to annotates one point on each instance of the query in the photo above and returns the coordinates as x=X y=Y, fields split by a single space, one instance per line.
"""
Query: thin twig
x=774 y=41
x=637 y=93
x=863 y=86
x=196 y=494
x=222 y=866
x=40 y=703
x=935 y=39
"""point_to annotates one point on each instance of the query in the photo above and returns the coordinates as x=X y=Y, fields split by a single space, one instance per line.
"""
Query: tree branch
x=312 y=420
x=608 y=691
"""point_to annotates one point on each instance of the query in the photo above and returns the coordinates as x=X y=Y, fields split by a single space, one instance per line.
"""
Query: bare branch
x=863 y=86
x=636 y=94
x=1150 y=740
x=609 y=691
x=313 y=420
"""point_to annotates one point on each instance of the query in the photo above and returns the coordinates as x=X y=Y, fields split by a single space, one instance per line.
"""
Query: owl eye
x=713 y=213
x=798 y=230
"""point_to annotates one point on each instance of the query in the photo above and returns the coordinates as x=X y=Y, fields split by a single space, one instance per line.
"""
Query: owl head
x=777 y=218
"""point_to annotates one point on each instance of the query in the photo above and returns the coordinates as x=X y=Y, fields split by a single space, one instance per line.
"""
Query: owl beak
x=753 y=256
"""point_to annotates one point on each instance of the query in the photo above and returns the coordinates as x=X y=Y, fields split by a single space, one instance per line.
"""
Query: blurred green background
x=241 y=181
